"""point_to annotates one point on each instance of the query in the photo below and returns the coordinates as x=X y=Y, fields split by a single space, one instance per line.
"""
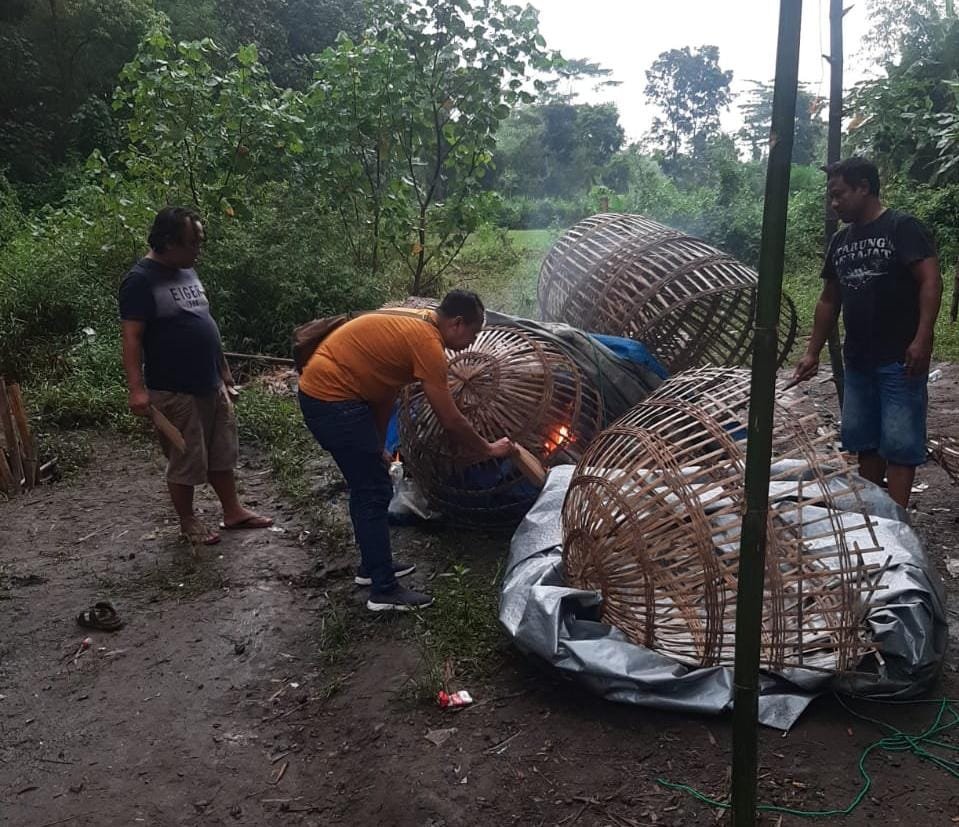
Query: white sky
x=628 y=35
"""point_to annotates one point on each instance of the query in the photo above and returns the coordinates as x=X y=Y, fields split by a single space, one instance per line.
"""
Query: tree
x=907 y=120
x=403 y=124
x=691 y=90
x=202 y=127
x=757 y=110
x=58 y=57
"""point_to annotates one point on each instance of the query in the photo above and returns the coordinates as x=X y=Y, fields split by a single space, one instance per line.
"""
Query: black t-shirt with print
x=181 y=341
x=880 y=296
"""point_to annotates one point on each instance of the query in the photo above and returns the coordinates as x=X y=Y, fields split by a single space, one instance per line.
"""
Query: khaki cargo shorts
x=208 y=425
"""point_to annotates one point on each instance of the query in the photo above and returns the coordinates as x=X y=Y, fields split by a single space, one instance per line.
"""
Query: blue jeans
x=348 y=432
x=884 y=411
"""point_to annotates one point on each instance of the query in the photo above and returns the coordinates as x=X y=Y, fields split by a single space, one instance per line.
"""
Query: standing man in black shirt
x=174 y=361
x=882 y=270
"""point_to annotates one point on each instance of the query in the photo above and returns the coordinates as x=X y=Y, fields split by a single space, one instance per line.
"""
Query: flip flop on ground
x=251 y=522
x=100 y=616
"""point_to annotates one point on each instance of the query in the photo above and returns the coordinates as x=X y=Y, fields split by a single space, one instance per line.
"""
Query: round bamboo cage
x=688 y=302
x=509 y=383
x=653 y=520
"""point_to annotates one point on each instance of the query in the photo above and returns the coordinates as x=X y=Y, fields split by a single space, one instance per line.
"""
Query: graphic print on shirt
x=174 y=297
x=859 y=262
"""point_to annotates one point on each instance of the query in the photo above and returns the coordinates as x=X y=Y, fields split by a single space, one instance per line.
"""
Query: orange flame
x=557 y=439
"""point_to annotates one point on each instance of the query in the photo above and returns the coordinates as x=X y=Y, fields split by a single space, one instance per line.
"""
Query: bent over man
x=174 y=362
x=882 y=270
x=347 y=392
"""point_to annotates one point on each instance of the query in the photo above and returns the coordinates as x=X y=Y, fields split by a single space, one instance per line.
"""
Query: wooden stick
x=10 y=435
x=258 y=357
x=28 y=448
x=168 y=429
x=531 y=467
x=7 y=482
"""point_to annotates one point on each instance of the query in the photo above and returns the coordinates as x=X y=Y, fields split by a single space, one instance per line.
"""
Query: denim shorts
x=884 y=411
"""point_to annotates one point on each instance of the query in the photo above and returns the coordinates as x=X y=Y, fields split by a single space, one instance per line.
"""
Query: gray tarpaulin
x=560 y=624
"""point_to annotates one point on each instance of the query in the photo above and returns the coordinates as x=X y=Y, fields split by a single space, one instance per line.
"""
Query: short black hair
x=463 y=303
x=854 y=171
x=168 y=227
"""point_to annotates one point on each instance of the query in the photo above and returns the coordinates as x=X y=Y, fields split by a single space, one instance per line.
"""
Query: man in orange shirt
x=347 y=392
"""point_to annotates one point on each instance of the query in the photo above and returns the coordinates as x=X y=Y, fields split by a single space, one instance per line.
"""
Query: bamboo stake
x=10 y=435
x=752 y=552
x=28 y=448
x=7 y=482
x=834 y=147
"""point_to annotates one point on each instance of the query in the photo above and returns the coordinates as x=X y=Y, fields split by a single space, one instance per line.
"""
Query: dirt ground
x=215 y=704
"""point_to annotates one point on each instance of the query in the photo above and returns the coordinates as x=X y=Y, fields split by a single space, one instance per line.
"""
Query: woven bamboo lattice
x=688 y=302
x=509 y=383
x=652 y=521
x=944 y=451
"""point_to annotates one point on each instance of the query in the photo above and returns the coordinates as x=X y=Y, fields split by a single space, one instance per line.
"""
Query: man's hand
x=807 y=368
x=139 y=401
x=501 y=449
x=918 y=356
x=387 y=458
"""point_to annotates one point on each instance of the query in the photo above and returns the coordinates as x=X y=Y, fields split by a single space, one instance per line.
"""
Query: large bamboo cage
x=625 y=275
x=509 y=383
x=653 y=518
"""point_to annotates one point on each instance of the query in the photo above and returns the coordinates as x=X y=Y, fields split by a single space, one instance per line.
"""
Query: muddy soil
x=219 y=703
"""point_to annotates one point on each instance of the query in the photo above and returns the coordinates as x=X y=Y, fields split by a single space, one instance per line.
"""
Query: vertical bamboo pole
x=27 y=447
x=752 y=550
x=10 y=487
x=10 y=436
x=833 y=149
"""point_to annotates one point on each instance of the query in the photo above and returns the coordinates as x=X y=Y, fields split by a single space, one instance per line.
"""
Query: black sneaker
x=398 y=600
x=399 y=570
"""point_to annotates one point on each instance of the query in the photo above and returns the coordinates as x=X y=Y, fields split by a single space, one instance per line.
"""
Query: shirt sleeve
x=828 y=264
x=429 y=361
x=136 y=299
x=914 y=242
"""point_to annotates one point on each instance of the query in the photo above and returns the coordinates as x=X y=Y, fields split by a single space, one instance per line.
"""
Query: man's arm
x=458 y=426
x=139 y=397
x=919 y=353
x=827 y=309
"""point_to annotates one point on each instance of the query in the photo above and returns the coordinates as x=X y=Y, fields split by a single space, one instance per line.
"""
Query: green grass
x=459 y=637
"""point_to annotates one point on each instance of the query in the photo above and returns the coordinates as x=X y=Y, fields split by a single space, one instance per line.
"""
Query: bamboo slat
x=626 y=275
x=28 y=448
x=11 y=437
x=652 y=521
x=7 y=483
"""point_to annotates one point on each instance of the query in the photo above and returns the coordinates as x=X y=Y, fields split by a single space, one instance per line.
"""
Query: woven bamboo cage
x=688 y=302
x=653 y=519
x=945 y=452
x=509 y=383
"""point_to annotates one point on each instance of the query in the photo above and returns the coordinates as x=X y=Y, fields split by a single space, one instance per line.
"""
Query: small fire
x=557 y=439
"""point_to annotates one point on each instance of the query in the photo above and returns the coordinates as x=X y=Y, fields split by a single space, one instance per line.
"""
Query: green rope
x=896 y=741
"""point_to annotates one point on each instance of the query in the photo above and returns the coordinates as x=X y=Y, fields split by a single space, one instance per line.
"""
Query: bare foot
x=198 y=534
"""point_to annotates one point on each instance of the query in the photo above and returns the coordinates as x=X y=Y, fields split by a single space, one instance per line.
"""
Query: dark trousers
x=348 y=432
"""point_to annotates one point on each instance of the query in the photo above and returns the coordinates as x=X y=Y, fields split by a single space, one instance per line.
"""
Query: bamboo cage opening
x=653 y=516
x=626 y=275
x=509 y=383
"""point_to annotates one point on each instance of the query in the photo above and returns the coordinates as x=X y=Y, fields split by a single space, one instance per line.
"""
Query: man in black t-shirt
x=174 y=363
x=882 y=270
